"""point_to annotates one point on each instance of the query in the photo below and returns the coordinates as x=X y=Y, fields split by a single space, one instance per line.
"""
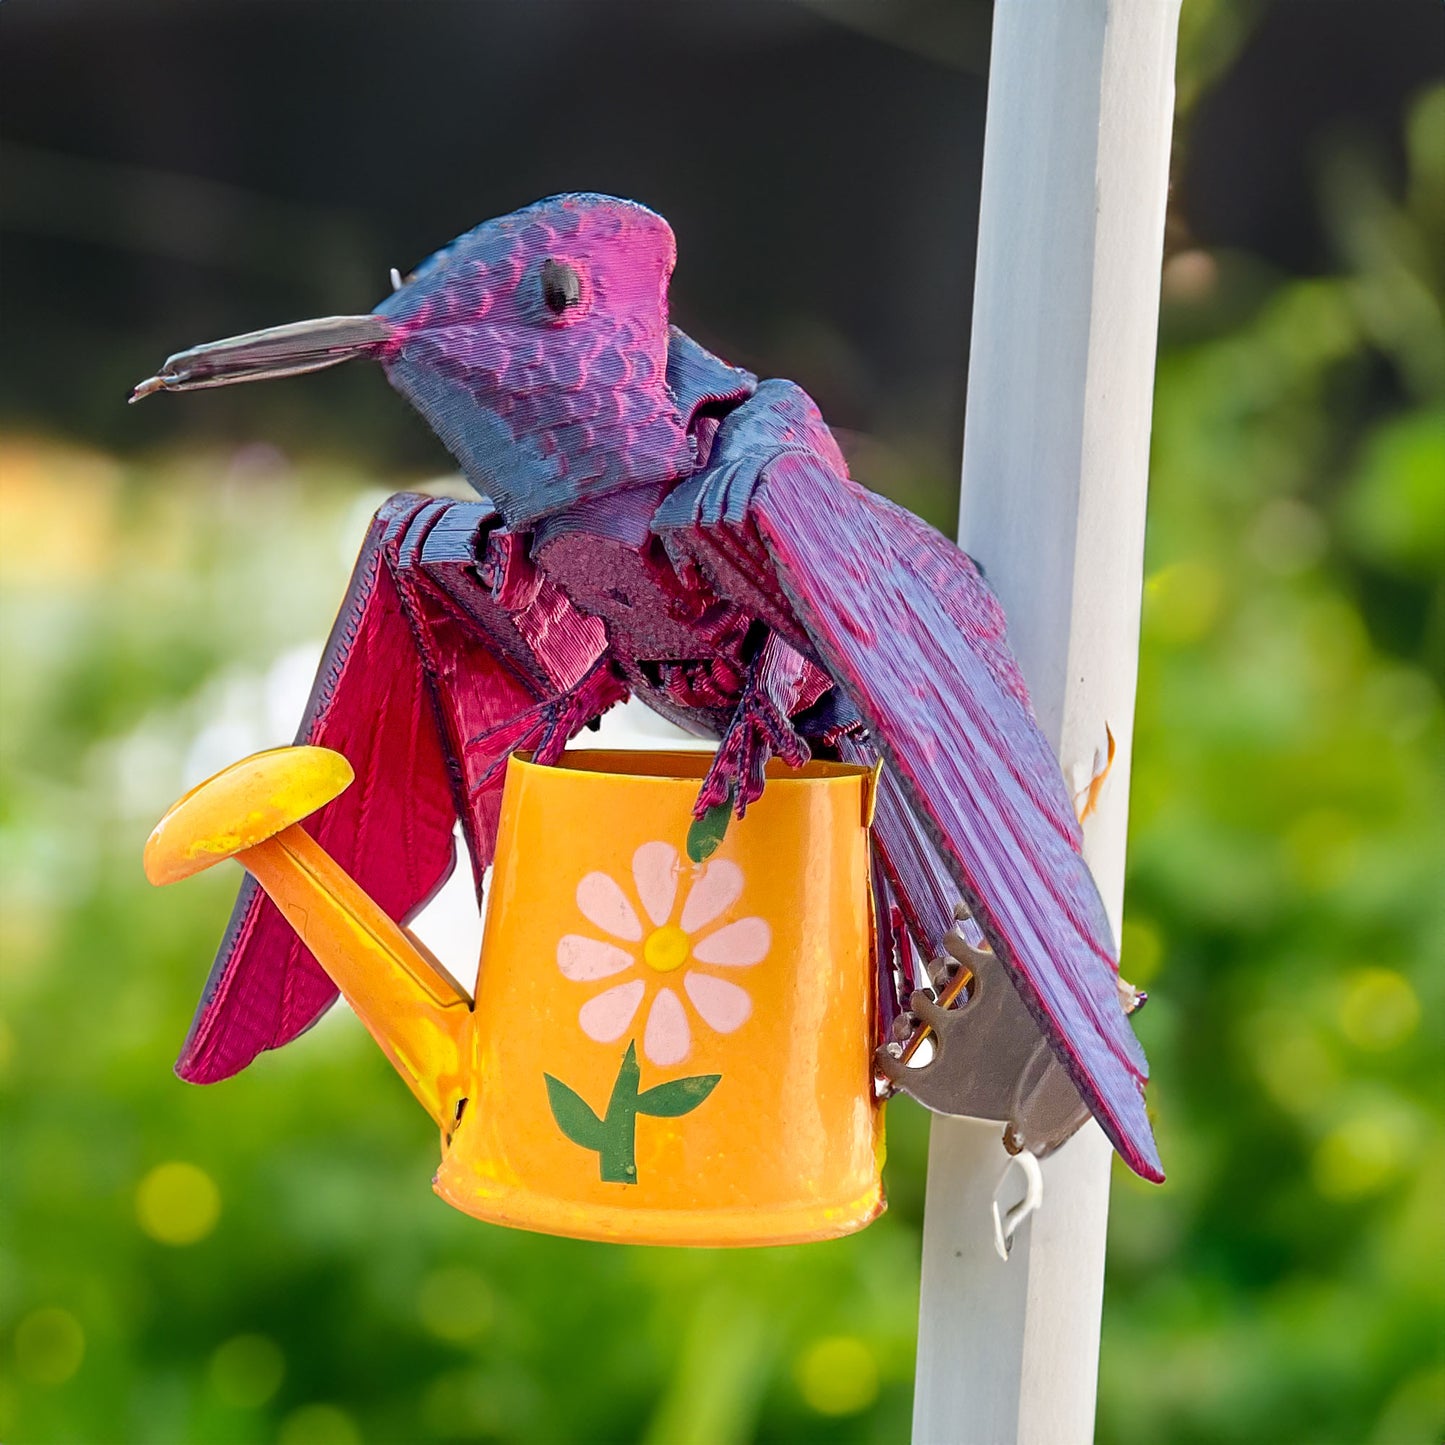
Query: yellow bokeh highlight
x=1141 y=951
x=1360 y=1156
x=1414 y=1409
x=1182 y=602
x=1321 y=849
x=318 y=1425
x=837 y=1375
x=27 y=938
x=1334 y=638
x=1297 y=1070
x=247 y=1370
x=177 y=1203
x=1379 y=1009
x=39 y=482
x=456 y=1304
x=49 y=1346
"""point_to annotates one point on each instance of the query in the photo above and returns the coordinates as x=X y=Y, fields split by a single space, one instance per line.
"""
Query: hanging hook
x=1005 y=1227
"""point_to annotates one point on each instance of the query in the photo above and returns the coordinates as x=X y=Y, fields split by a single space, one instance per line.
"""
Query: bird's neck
x=554 y=451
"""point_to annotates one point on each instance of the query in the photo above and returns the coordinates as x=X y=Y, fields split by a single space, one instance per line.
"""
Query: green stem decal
x=613 y=1137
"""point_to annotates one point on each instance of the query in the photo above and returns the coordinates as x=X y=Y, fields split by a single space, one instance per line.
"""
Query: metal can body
x=669 y=1052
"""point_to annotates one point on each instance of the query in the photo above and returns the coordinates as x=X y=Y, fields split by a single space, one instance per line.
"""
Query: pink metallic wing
x=428 y=683
x=907 y=627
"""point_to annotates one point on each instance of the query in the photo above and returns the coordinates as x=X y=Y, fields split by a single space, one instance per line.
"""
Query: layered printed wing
x=908 y=629
x=430 y=678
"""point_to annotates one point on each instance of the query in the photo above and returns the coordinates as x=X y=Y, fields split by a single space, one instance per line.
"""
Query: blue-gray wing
x=910 y=632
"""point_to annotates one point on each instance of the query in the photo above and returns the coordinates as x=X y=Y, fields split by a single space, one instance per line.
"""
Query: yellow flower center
x=666 y=948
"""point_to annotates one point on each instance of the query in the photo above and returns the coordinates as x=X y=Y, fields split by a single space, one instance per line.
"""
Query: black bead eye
x=561 y=286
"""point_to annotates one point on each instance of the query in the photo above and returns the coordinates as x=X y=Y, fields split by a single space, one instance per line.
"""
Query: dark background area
x=223 y=166
x=178 y=172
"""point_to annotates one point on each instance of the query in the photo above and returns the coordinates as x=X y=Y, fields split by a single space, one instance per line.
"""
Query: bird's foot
x=1131 y=999
x=760 y=730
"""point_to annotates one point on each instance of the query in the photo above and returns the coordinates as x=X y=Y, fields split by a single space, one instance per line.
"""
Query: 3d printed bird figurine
x=659 y=523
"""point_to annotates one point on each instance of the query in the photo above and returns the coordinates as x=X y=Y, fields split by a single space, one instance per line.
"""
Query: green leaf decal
x=676 y=1097
x=707 y=832
x=573 y=1115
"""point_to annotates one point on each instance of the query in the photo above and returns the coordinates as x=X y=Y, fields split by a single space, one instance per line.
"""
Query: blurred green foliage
x=262 y=1260
x=1286 y=899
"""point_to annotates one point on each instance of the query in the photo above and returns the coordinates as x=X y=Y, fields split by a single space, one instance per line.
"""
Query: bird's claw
x=760 y=730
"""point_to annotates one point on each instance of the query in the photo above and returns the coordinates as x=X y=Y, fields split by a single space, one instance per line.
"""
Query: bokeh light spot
x=1414 y=1410
x=1358 y=1157
x=1288 y=536
x=464 y=1402
x=1335 y=638
x=318 y=1425
x=1401 y=701
x=1379 y=1009
x=1141 y=950
x=1322 y=848
x=49 y=1345
x=247 y=1370
x=177 y=1203
x=837 y=1375
x=1182 y=602
x=456 y=1304
x=1298 y=1071
x=1190 y=277
x=38 y=477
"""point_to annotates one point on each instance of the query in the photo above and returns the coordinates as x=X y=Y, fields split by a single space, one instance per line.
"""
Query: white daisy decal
x=670 y=950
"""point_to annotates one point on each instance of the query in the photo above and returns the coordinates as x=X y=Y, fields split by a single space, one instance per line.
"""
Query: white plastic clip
x=1006 y=1226
x=396 y=281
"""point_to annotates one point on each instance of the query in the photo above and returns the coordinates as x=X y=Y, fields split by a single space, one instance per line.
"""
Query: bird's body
x=659 y=523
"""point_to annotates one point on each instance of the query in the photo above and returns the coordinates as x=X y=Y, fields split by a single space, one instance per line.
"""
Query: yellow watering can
x=658 y=1052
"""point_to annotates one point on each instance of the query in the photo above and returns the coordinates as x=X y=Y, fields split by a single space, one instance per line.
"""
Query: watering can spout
x=251 y=811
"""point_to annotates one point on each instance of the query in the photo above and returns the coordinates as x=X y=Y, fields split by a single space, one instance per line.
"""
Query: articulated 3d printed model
x=658 y=523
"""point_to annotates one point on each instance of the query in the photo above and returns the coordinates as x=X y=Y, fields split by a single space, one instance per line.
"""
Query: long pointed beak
x=263 y=355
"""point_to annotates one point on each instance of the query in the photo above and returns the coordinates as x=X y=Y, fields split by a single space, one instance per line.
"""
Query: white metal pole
x=1066 y=302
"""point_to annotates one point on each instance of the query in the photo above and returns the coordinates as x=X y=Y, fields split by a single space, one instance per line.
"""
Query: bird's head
x=536 y=347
